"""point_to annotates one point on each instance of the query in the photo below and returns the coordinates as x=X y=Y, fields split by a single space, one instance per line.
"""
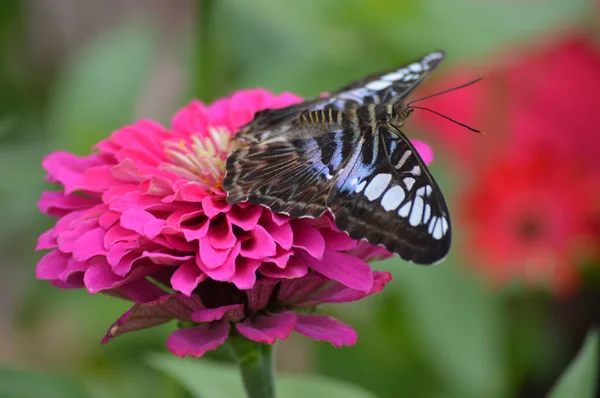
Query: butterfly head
x=400 y=114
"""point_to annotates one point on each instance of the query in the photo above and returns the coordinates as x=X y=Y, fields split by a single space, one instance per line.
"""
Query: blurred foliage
x=435 y=332
x=213 y=380
x=580 y=378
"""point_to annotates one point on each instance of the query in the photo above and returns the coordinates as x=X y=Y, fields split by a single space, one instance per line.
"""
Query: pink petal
x=119 y=250
x=142 y=222
x=88 y=245
x=139 y=291
x=191 y=221
x=193 y=118
x=190 y=192
x=337 y=240
x=66 y=240
x=281 y=233
x=368 y=252
x=348 y=270
x=73 y=268
x=281 y=258
x=279 y=219
x=259 y=297
x=156 y=312
x=100 y=276
x=309 y=239
x=137 y=318
x=268 y=328
x=52 y=265
x=198 y=340
x=245 y=218
x=98 y=179
x=57 y=204
x=245 y=273
x=325 y=328
x=229 y=312
x=294 y=292
x=226 y=270
x=335 y=292
x=67 y=169
x=108 y=219
x=127 y=171
x=220 y=234
x=210 y=256
x=166 y=259
x=125 y=263
x=117 y=233
x=293 y=269
x=424 y=151
x=187 y=277
x=46 y=240
x=260 y=245
x=213 y=205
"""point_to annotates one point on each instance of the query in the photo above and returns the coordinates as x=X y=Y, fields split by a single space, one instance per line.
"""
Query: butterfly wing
x=387 y=196
x=289 y=176
x=311 y=157
x=389 y=86
x=377 y=188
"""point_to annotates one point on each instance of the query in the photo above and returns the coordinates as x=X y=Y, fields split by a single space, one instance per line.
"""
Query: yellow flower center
x=202 y=159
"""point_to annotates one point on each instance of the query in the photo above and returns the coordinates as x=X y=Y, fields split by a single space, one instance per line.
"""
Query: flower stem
x=256 y=363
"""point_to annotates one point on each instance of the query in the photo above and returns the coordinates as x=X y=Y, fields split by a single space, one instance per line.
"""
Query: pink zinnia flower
x=149 y=203
x=263 y=314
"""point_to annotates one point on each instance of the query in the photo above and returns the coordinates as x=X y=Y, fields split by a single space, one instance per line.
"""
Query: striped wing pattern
x=339 y=154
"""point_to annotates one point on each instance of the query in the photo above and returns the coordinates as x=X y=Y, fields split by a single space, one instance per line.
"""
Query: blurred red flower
x=533 y=210
x=528 y=219
x=558 y=86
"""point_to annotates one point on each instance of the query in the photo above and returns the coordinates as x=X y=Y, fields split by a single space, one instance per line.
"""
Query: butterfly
x=346 y=153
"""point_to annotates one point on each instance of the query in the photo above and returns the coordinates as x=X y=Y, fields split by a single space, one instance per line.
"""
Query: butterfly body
x=346 y=154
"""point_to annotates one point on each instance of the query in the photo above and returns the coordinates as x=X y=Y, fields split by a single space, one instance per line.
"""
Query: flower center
x=201 y=159
x=530 y=228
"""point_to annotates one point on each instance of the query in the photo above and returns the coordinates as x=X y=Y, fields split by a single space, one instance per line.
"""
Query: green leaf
x=98 y=91
x=26 y=384
x=209 y=379
x=579 y=380
x=459 y=325
x=317 y=386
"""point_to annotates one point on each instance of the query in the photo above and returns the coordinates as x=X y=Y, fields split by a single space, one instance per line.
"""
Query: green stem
x=256 y=363
x=204 y=54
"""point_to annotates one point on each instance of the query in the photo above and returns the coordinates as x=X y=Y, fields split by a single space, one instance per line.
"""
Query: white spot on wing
x=409 y=182
x=417 y=211
x=360 y=186
x=378 y=85
x=377 y=185
x=397 y=75
x=437 y=229
x=416 y=67
x=404 y=210
x=403 y=159
x=426 y=213
x=431 y=225
x=392 y=198
x=416 y=170
x=444 y=225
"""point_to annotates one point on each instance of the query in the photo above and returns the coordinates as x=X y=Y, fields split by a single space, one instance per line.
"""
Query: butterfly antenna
x=448 y=118
x=446 y=91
